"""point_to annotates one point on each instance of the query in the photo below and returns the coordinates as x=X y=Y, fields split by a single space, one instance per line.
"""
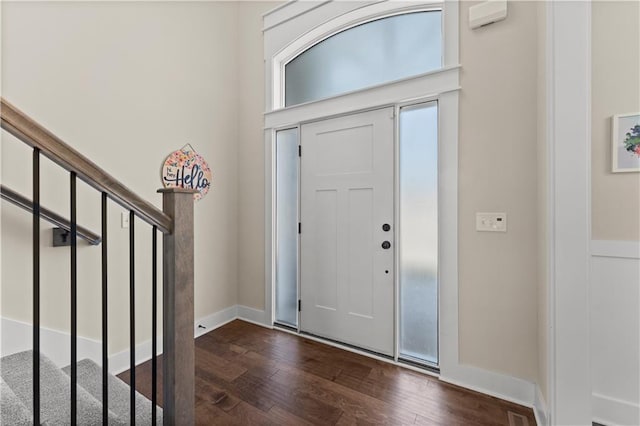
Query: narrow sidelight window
x=287 y=173
x=419 y=233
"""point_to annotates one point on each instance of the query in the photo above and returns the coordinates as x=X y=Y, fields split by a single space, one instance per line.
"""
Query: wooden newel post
x=178 y=366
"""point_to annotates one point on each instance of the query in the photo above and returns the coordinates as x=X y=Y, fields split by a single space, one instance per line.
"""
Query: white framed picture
x=625 y=143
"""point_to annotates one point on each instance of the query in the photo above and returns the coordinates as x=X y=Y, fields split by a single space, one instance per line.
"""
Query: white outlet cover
x=491 y=222
x=124 y=219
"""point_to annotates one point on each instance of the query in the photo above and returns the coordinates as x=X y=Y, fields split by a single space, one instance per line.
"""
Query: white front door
x=346 y=199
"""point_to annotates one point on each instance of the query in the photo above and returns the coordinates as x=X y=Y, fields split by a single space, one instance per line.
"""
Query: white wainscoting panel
x=615 y=332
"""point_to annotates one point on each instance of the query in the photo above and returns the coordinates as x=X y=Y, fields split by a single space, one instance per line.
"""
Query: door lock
x=386 y=227
x=386 y=245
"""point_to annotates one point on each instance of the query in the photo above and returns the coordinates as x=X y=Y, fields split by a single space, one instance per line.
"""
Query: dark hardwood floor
x=250 y=375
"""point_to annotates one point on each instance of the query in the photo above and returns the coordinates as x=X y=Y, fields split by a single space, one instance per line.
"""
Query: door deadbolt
x=386 y=245
x=386 y=227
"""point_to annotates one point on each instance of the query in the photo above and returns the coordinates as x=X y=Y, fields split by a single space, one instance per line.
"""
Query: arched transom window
x=372 y=53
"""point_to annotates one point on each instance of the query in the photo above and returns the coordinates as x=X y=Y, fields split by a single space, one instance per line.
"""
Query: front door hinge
x=299 y=227
x=299 y=150
x=299 y=305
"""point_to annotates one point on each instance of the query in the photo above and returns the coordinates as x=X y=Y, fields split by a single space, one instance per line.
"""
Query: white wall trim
x=568 y=58
x=540 y=410
x=448 y=245
x=16 y=337
x=610 y=248
x=254 y=316
x=612 y=411
x=288 y=11
x=499 y=385
x=215 y=320
x=120 y=361
x=429 y=84
x=286 y=16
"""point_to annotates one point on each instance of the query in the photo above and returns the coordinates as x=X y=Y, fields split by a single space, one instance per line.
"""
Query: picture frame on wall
x=625 y=143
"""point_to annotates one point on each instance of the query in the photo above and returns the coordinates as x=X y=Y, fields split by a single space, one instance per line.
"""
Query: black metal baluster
x=105 y=353
x=36 y=286
x=132 y=317
x=74 y=301
x=154 y=316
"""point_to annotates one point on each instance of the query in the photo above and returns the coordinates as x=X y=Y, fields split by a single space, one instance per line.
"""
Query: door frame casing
x=441 y=85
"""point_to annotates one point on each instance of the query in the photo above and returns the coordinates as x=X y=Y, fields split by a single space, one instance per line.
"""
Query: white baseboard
x=255 y=316
x=540 y=410
x=15 y=336
x=215 y=320
x=499 y=385
x=120 y=361
x=612 y=411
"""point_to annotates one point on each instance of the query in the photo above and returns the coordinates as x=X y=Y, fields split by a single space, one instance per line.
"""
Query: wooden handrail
x=28 y=131
x=50 y=216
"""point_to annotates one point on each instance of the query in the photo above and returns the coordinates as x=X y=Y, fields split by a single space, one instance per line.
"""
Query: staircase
x=33 y=389
x=16 y=394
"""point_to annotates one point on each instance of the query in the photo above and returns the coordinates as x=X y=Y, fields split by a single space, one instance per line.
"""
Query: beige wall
x=125 y=84
x=615 y=90
x=498 y=172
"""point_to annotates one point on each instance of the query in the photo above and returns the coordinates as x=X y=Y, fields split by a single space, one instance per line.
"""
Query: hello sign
x=186 y=168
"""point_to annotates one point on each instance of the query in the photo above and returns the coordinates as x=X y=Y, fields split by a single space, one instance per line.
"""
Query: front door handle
x=386 y=245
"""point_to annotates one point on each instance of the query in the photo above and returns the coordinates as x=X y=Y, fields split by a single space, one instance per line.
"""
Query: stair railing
x=175 y=222
x=54 y=218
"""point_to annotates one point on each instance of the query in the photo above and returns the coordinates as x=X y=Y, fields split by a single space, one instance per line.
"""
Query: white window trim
x=425 y=85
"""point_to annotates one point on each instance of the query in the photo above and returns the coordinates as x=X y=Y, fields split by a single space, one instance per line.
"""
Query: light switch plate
x=491 y=222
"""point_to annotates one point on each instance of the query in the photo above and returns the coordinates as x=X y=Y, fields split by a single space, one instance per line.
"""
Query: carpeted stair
x=16 y=394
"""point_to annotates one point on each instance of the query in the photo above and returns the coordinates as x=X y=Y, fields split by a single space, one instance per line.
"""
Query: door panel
x=360 y=256
x=326 y=259
x=346 y=194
